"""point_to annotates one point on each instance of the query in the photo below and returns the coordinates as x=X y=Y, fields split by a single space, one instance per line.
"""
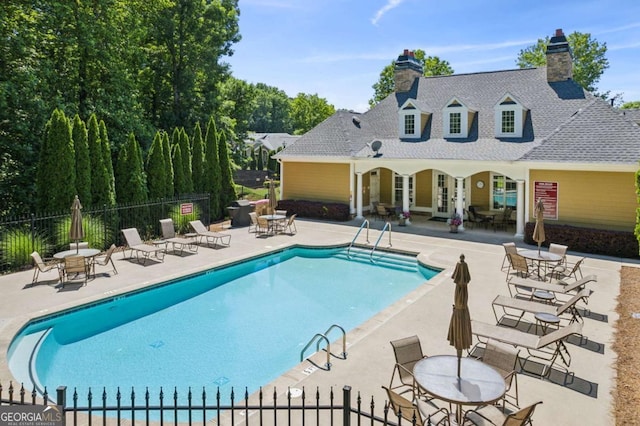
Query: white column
x=405 y=193
x=352 y=209
x=358 y=196
x=520 y=207
x=460 y=199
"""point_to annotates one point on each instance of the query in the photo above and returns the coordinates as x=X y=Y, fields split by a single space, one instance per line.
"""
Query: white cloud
x=391 y=4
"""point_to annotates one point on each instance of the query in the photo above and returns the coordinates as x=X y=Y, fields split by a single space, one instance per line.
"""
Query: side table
x=544 y=320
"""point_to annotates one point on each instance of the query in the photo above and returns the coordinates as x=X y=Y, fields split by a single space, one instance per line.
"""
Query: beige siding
x=598 y=199
x=423 y=187
x=481 y=197
x=386 y=183
x=316 y=182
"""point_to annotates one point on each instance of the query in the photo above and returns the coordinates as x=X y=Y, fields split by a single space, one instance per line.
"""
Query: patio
x=425 y=312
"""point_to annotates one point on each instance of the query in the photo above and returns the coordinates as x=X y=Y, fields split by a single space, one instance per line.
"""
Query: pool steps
x=381 y=258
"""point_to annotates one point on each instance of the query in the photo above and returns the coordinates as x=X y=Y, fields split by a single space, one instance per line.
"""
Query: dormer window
x=456 y=118
x=509 y=118
x=411 y=119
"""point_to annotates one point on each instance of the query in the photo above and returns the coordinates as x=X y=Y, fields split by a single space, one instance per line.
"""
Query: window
x=508 y=121
x=397 y=188
x=504 y=192
x=455 y=120
x=410 y=124
x=454 y=123
x=509 y=118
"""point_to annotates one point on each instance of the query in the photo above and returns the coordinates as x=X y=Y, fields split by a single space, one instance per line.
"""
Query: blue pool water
x=238 y=326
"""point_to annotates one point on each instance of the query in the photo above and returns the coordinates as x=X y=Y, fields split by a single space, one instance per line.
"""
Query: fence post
x=61 y=400
x=346 y=406
x=105 y=227
x=33 y=232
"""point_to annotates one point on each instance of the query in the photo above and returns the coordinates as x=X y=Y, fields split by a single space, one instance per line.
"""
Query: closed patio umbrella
x=273 y=203
x=460 y=335
x=538 y=231
x=76 y=233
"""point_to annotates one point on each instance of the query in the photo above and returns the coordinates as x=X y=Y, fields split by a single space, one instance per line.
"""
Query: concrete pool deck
x=587 y=399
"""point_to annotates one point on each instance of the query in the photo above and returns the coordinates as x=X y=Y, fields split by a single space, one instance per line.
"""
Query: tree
x=183 y=142
x=178 y=170
x=156 y=169
x=168 y=164
x=131 y=181
x=589 y=60
x=56 y=174
x=212 y=173
x=108 y=164
x=631 y=105
x=197 y=160
x=83 y=163
x=271 y=113
x=227 y=187
x=431 y=65
x=100 y=180
x=307 y=111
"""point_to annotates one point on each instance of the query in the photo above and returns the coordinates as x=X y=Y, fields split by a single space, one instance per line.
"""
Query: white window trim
x=464 y=119
x=519 y=112
x=417 y=117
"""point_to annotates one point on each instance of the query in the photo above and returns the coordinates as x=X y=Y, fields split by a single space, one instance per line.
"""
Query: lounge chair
x=546 y=348
x=42 y=266
x=510 y=304
x=504 y=359
x=143 y=251
x=490 y=415
x=525 y=287
x=75 y=265
x=104 y=260
x=415 y=412
x=408 y=351
x=177 y=243
x=217 y=238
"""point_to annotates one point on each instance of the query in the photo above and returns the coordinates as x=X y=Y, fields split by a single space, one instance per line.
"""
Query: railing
x=261 y=408
x=47 y=234
x=344 y=338
x=366 y=222
x=387 y=227
x=317 y=338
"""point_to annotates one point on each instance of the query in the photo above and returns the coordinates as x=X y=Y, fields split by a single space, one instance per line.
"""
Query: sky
x=336 y=49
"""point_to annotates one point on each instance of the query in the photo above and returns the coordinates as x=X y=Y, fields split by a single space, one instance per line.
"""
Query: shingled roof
x=564 y=123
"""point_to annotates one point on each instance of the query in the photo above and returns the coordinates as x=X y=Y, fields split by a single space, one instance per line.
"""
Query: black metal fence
x=131 y=408
x=49 y=233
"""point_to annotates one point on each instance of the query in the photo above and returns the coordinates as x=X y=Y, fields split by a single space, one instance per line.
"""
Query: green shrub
x=17 y=245
x=181 y=222
x=94 y=232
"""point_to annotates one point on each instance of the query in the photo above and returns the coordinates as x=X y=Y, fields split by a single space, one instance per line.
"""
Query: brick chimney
x=559 y=58
x=407 y=69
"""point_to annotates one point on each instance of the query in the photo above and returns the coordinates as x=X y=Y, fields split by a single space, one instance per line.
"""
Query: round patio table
x=73 y=252
x=540 y=257
x=478 y=383
x=273 y=220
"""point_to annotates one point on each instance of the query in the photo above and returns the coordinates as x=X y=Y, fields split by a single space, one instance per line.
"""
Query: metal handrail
x=314 y=338
x=344 y=339
x=366 y=222
x=387 y=226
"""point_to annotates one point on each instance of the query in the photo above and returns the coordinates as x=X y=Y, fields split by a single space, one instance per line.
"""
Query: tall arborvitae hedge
x=186 y=161
x=178 y=172
x=83 y=163
x=212 y=169
x=131 y=180
x=197 y=160
x=100 y=184
x=156 y=170
x=227 y=187
x=108 y=163
x=168 y=164
x=55 y=182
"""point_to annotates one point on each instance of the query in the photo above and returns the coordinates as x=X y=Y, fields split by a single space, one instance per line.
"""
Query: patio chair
x=523 y=287
x=407 y=351
x=289 y=224
x=567 y=310
x=383 y=212
x=518 y=264
x=217 y=238
x=473 y=220
x=502 y=221
x=41 y=266
x=560 y=250
x=415 y=412
x=568 y=270
x=546 y=348
x=104 y=260
x=508 y=248
x=75 y=265
x=263 y=227
x=253 y=225
x=143 y=251
x=490 y=415
x=504 y=359
x=177 y=243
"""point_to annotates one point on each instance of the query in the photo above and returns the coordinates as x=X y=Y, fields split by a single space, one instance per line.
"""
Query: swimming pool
x=238 y=326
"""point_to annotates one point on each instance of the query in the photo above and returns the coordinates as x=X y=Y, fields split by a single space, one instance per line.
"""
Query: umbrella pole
x=459 y=358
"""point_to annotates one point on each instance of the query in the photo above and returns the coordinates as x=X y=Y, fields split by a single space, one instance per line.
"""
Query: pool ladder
x=366 y=222
x=320 y=337
x=386 y=228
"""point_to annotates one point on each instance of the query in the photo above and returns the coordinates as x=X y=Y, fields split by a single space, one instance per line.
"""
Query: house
x=488 y=139
x=266 y=143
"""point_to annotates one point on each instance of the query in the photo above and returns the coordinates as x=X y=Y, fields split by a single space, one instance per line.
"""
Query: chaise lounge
x=143 y=251
x=177 y=243
x=217 y=238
